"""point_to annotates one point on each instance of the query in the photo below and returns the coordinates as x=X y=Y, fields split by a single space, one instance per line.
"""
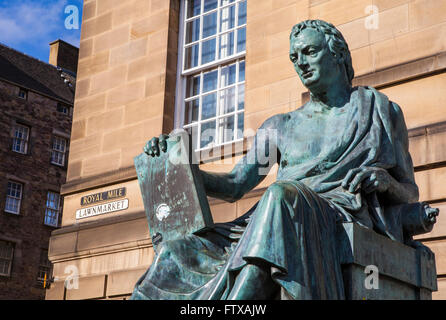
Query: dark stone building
x=36 y=105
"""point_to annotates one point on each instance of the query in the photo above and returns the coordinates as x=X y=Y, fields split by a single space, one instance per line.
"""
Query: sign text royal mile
x=103 y=196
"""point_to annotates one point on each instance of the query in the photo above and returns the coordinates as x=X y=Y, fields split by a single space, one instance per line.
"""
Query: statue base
x=378 y=268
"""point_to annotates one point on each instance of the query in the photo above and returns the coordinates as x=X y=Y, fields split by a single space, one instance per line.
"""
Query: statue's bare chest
x=308 y=135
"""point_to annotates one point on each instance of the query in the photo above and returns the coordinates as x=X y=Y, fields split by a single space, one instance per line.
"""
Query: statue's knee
x=167 y=248
x=278 y=190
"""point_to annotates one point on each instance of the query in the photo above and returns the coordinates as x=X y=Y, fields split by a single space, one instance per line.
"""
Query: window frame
x=53 y=150
x=183 y=74
x=22 y=140
x=47 y=208
x=63 y=106
x=25 y=91
x=13 y=197
x=218 y=33
x=45 y=267
x=10 y=259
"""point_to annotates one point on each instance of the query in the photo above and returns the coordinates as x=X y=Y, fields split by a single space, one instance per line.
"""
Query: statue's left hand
x=368 y=179
x=154 y=145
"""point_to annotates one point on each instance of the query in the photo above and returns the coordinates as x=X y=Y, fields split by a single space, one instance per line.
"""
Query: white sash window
x=211 y=78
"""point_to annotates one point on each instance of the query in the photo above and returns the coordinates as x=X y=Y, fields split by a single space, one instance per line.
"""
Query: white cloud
x=34 y=22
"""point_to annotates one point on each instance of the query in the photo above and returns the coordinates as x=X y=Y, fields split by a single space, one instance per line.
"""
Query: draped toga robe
x=292 y=229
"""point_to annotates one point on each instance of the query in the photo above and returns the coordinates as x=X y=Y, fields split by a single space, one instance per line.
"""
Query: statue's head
x=320 y=55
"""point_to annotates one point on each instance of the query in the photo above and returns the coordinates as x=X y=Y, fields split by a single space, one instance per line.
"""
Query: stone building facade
x=35 y=121
x=140 y=67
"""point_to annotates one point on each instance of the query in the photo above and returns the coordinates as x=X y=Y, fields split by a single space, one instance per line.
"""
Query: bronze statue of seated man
x=343 y=156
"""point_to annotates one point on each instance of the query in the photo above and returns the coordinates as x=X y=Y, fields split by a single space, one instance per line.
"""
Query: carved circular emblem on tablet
x=162 y=212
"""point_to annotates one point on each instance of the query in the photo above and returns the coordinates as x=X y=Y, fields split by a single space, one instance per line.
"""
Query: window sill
x=50 y=226
x=22 y=153
x=13 y=213
x=57 y=165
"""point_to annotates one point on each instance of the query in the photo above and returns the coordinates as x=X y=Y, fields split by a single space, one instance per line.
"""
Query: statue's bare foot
x=430 y=214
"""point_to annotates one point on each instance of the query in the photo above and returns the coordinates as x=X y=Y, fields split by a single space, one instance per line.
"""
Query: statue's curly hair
x=336 y=42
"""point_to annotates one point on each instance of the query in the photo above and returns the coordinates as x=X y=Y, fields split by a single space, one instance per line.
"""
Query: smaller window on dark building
x=14 y=197
x=6 y=256
x=23 y=93
x=52 y=209
x=20 y=139
x=62 y=108
x=58 y=151
x=44 y=267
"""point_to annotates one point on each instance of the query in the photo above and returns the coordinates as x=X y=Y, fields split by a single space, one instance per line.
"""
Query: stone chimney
x=64 y=55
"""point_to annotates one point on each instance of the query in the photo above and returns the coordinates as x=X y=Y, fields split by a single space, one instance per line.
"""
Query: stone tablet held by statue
x=172 y=191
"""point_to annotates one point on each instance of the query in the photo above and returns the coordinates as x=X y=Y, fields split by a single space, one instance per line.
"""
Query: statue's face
x=313 y=61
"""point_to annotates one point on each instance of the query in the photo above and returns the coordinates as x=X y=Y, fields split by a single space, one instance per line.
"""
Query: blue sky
x=30 y=25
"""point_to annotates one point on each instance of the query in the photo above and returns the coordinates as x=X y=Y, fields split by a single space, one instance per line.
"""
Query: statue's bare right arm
x=250 y=170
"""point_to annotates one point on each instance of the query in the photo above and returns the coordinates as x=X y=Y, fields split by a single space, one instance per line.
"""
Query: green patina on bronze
x=172 y=191
x=343 y=156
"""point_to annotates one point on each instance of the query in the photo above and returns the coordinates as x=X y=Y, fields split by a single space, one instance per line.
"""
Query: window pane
x=18 y=133
x=213 y=92
x=23 y=93
x=59 y=144
x=193 y=86
x=225 y=2
x=210 y=81
x=192 y=109
x=241 y=39
x=17 y=146
x=209 y=5
x=15 y=190
x=51 y=217
x=209 y=106
x=193 y=31
x=209 y=25
x=241 y=97
x=240 y=125
x=228 y=75
x=62 y=108
x=52 y=200
x=193 y=8
x=208 y=51
x=57 y=157
x=12 y=205
x=227 y=100
x=241 y=75
x=44 y=266
x=207 y=134
x=6 y=256
x=58 y=152
x=241 y=13
x=20 y=140
x=227 y=18
x=191 y=58
x=226 y=45
x=52 y=209
x=13 y=197
x=227 y=129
